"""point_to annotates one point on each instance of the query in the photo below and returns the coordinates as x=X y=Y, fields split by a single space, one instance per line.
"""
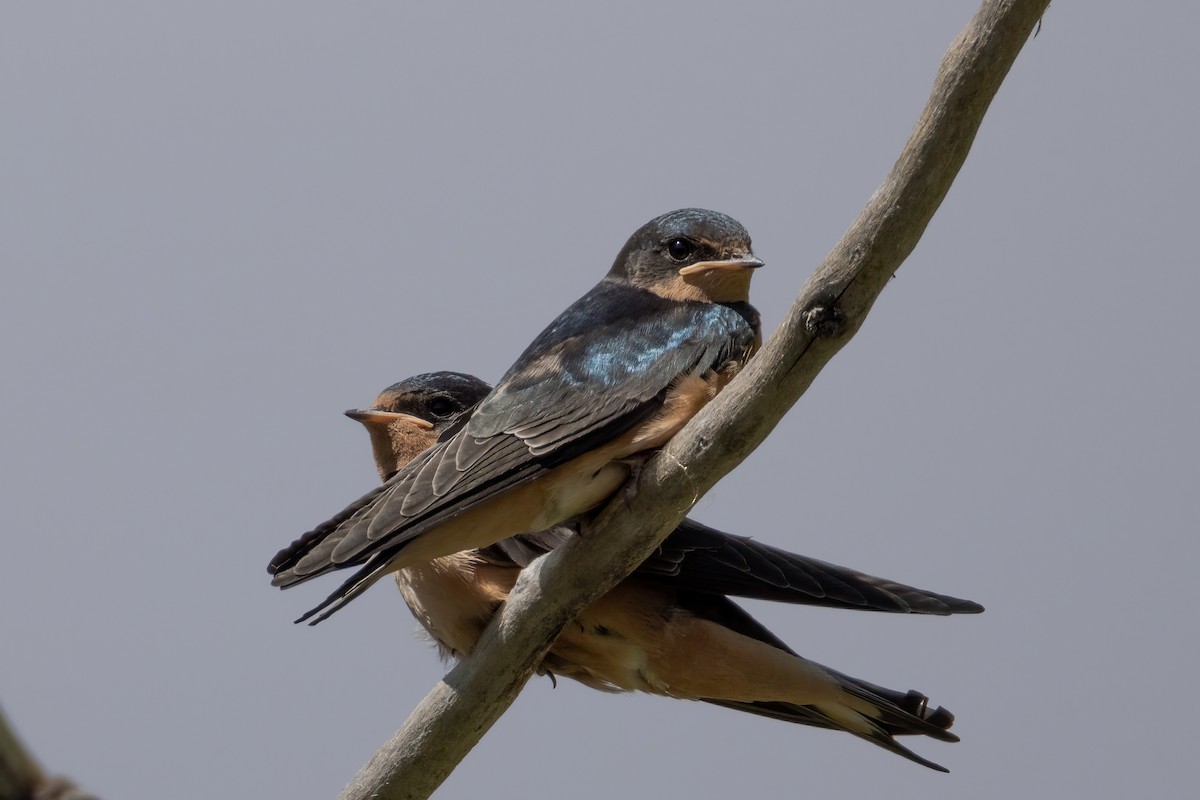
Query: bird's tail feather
x=375 y=568
x=890 y=714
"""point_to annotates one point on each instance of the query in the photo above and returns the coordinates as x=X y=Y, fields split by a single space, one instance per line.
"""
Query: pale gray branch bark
x=829 y=310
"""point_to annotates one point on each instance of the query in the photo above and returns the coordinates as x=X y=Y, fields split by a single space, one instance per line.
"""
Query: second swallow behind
x=672 y=627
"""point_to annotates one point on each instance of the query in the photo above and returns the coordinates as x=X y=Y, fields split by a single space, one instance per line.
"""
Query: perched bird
x=614 y=377
x=670 y=628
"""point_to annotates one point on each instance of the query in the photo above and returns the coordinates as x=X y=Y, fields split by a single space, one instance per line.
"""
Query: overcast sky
x=224 y=223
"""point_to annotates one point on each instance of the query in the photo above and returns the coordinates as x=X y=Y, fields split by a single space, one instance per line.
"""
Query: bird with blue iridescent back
x=609 y=381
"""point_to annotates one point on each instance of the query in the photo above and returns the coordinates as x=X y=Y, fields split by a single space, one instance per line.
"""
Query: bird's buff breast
x=454 y=597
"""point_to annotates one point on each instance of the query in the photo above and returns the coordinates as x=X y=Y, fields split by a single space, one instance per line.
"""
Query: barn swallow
x=613 y=378
x=670 y=628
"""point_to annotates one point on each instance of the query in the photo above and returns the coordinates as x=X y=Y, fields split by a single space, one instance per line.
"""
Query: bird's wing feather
x=608 y=355
x=696 y=557
x=287 y=558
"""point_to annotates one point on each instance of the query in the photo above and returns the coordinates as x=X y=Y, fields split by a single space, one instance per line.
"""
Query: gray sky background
x=224 y=223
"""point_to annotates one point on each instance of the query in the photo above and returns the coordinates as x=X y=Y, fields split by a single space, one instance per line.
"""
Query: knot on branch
x=824 y=321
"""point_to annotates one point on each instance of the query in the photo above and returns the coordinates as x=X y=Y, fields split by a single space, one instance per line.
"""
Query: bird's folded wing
x=286 y=558
x=696 y=558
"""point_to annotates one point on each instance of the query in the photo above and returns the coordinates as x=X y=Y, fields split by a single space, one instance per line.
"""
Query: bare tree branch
x=829 y=310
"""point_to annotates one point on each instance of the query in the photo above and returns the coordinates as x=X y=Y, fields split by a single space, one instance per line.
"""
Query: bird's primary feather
x=697 y=558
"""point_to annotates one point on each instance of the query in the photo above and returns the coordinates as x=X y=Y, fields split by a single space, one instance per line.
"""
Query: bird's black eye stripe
x=441 y=406
x=680 y=248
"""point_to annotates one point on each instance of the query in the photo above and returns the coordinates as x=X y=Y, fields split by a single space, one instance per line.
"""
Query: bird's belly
x=454 y=597
x=612 y=644
x=599 y=661
x=577 y=487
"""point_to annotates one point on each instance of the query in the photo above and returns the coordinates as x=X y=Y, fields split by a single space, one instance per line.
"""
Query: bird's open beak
x=729 y=265
x=371 y=416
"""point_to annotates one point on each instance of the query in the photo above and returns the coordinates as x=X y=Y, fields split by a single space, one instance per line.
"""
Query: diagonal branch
x=829 y=310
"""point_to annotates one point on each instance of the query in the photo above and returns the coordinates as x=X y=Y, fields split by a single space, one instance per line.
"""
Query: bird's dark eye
x=680 y=249
x=441 y=407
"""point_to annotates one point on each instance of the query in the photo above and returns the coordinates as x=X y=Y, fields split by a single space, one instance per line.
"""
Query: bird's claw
x=631 y=483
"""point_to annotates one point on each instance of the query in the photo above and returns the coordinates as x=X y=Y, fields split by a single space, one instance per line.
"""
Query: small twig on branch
x=829 y=310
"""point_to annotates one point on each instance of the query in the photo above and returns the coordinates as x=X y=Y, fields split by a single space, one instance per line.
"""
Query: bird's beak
x=730 y=265
x=371 y=416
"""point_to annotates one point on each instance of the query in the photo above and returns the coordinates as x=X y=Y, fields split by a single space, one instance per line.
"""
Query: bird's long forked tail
x=363 y=578
x=895 y=714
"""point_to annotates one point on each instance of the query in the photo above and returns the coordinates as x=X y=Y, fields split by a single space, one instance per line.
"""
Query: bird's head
x=690 y=254
x=409 y=416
